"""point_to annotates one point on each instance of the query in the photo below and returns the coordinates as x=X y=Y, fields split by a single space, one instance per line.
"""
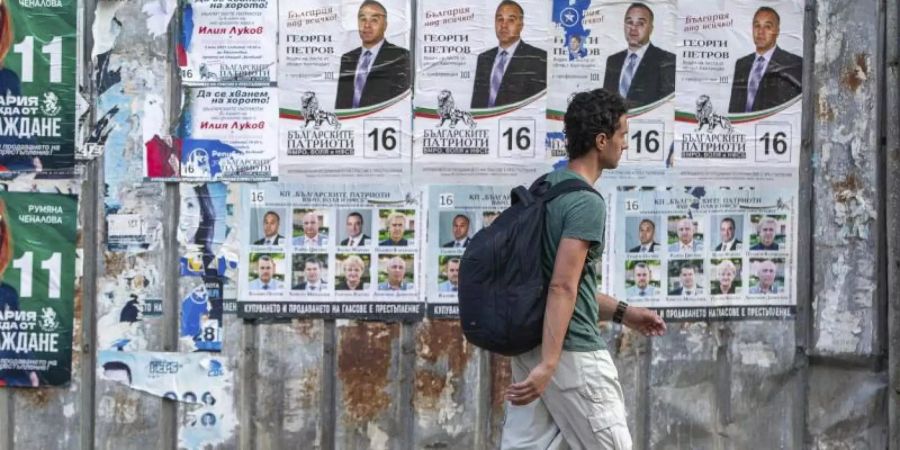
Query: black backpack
x=502 y=290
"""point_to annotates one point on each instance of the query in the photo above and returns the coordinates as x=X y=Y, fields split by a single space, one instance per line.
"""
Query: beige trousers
x=582 y=408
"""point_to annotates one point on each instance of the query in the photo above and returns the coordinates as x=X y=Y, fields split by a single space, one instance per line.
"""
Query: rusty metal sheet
x=368 y=388
x=125 y=418
x=447 y=381
x=845 y=176
x=846 y=408
x=684 y=366
x=287 y=379
x=764 y=386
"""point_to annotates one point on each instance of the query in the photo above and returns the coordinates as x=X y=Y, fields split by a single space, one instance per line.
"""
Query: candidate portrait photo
x=642 y=73
x=513 y=70
x=770 y=76
x=377 y=70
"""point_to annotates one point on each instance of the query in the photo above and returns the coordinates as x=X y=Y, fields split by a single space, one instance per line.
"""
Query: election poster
x=706 y=252
x=344 y=81
x=228 y=42
x=481 y=88
x=455 y=214
x=348 y=251
x=740 y=71
x=203 y=265
x=203 y=385
x=227 y=134
x=37 y=288
x=38 y=86
x=623 y=47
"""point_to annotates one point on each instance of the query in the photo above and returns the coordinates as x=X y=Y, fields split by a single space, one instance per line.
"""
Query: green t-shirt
x=579 y=215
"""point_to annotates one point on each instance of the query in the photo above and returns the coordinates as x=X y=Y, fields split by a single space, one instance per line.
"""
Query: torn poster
x=202 y=383
x=227 y=134
x=38 y=86
x=37 y=288
x=201 y=233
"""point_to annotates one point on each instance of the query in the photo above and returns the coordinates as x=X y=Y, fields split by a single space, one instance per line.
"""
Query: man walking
x=567 y=389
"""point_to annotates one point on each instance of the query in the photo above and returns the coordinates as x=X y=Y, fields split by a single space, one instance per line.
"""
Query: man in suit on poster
x=460 y=232
x=513 y=71
x=646 y=235
x=649 y=71
x=355 y=236
x=726 y=232
x=271 y=225
x=375 y=72
x=769 y=76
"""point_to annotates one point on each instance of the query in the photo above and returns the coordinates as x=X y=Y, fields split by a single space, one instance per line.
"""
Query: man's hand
x=531 y=388
x=644 y=321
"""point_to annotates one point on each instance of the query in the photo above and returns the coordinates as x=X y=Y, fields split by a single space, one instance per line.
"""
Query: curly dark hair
x=591 y=113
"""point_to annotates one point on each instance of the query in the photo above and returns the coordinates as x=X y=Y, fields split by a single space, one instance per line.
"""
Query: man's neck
x=762 y=52
x=588 y=168
x=395 y=284
x=635 y=49
x=310 y=238
x=372 y=46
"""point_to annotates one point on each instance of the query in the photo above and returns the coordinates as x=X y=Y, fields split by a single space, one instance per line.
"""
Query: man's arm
x=639 y=319
x=561 y=297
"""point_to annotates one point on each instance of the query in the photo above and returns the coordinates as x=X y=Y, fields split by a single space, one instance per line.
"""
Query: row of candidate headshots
x=691 y=277
x=729 y=233
x=309 y=272
x=312 y=228
x=395 y=228
x=514 y=70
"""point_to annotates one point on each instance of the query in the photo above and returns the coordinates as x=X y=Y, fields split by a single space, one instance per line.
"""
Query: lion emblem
x=48 y=319
x=50 y=104
x=312 y=113
x=707 y=116
x=197 y=164
x=205 y=73
x=449 y=112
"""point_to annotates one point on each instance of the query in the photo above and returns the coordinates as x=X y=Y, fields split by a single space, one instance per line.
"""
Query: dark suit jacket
x=302 y=286
x=736 y=243
x=525 y=76
x=343 y=286
x=781 y=82
x=653 y=79
x=365 y=238
x=389 y=243
x=262 y=241
x=388 y=76
x=637 y=249
x=452 y=243
x=760 y=246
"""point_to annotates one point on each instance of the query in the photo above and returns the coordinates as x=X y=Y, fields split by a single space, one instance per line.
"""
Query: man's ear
x=600 y=141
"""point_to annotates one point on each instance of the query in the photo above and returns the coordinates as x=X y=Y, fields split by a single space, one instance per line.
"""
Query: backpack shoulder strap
x=564 y=187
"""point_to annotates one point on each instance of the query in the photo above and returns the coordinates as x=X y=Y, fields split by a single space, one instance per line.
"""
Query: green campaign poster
x=37 y=85
x=37 y=288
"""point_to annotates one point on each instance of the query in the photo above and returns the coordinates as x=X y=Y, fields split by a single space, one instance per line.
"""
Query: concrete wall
x=823 y=382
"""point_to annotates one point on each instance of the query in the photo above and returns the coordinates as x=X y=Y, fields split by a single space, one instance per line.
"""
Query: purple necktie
x=361 y=75
x=625 y=84
x=497 y=77
x=753 y=85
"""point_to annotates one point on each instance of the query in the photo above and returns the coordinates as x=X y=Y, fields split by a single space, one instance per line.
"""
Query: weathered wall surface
x=819 y=382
